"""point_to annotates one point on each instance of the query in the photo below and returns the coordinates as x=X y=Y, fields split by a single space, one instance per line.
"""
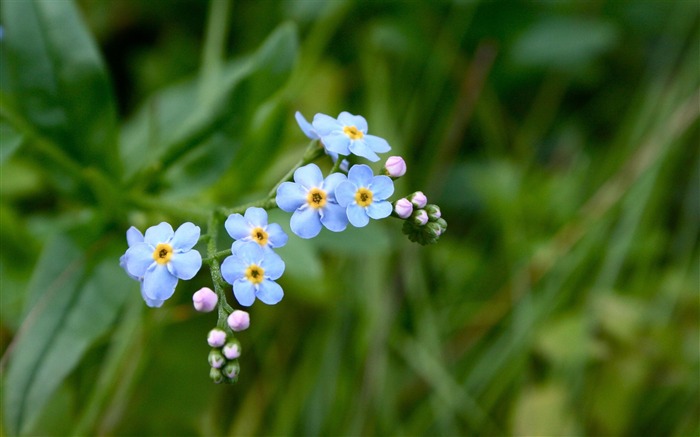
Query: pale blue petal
x=256 y=216
x=361 y=175
x=269 y=292
x=325 y=124
x=337 y=142
x=233 y=269
x=306 y=126
x=345 y=192
x=308 y=176
x=379 y=210
x=273 y=265
x=237 y=227
x=360 y=148
x=161 y=233
x=357 y=215
x=332 y=182
x=139 y=258
x=379 y=145
x=185 y=237
x=122 y=264
x=158 y=283
x=334 y=217
x=306 y=222
x=133 y=236
x=185 y=265
x=276 y=236
x=347 y=119
x=382 y=187
x=244 y=292
x=153 y=303
x=290 y=196
x=249 y=252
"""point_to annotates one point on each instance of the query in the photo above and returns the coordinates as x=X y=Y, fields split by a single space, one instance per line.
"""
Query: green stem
x=224 y=309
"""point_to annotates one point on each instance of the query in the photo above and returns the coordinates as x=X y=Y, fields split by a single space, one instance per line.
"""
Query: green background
x=560 y=139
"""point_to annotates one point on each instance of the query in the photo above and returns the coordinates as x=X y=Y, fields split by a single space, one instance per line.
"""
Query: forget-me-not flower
x=134 y=236
x=312 y=200
x=252 y=271
x=311 y=133
x=254 y=227
x=162 y=258
x=364 y=195
x=348 y=134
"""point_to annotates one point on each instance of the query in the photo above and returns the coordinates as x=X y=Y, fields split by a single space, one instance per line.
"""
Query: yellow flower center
x=259 y=236
x=353 y=133
x=363 y=197
x=255 y=274
x=316 y=198
x=163 y=253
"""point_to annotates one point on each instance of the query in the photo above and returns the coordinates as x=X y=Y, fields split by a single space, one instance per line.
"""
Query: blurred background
x=560 y=139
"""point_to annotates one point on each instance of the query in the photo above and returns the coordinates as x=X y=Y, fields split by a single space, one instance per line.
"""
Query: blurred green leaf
x=10 y=140
x=66 y=312
x=57 y=82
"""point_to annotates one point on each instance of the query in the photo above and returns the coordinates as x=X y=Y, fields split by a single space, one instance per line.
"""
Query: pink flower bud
x=216 y=338
x=395 y=166
x=232 y=350
x=418 y=199
x=204 y=300
x=403 y=208
x=420 y=217
x=238 y=320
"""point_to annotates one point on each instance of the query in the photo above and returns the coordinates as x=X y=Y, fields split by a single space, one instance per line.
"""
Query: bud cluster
x=423 y=222
x=223 y=357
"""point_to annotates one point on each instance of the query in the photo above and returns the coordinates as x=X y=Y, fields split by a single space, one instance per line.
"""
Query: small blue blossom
x=312 y=200
x=134 y=236
x=311 y=133
x=161 y=258
x=348 y=134
x=253 y=271
x=364 y=195
x=254 y=227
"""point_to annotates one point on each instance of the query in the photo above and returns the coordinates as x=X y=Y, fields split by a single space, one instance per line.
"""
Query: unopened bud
x=418 y=199
x=232 y=350
x=231 y=370
x=403 y=208
x=395 y=167
x=216 y=337
x=420 y=217
x=433 y=229
x=216 y=376
x=204 y=300
x=433 y=211
x=216 y=360
x=238 y=320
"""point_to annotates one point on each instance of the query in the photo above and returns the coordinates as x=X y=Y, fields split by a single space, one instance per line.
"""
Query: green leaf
x=56 y=80
x=66 y=312
x=10 y=140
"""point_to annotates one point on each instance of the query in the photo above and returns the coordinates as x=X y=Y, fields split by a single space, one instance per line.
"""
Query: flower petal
x=379 y=210
x=334 y=217
x=305 y=126
x=249 y=252
x=160 y=233
x=153 y=303
x=244 y=292
x=256 y=216
x=269 y=292
x=185 y=265
x=347 y=119
x=337 y=142
x=276 y=236
x=185 y=237
x=378 y=144
x=158 y=283
x=345 y=192
x=325 y=124
x=138 y=258
x=306 y=222
x=290 y=196
x=308 y=176
x=332 y=181
x=237 y=227
x=233 y=269
x=382 y=187
x=133 y=236
x=360 y=148
x=273 y=265
x=357 y=215
x=361 y=175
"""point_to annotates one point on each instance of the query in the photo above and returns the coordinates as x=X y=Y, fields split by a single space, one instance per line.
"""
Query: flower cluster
x=351 y=193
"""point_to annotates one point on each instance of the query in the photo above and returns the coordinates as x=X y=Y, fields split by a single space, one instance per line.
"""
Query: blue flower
x=364 y=195
x=348 y=134
x=312 y=200
x=253 y=227
x=161 y=258
x=134 y=236
x=252 y=271
x=311 y=133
